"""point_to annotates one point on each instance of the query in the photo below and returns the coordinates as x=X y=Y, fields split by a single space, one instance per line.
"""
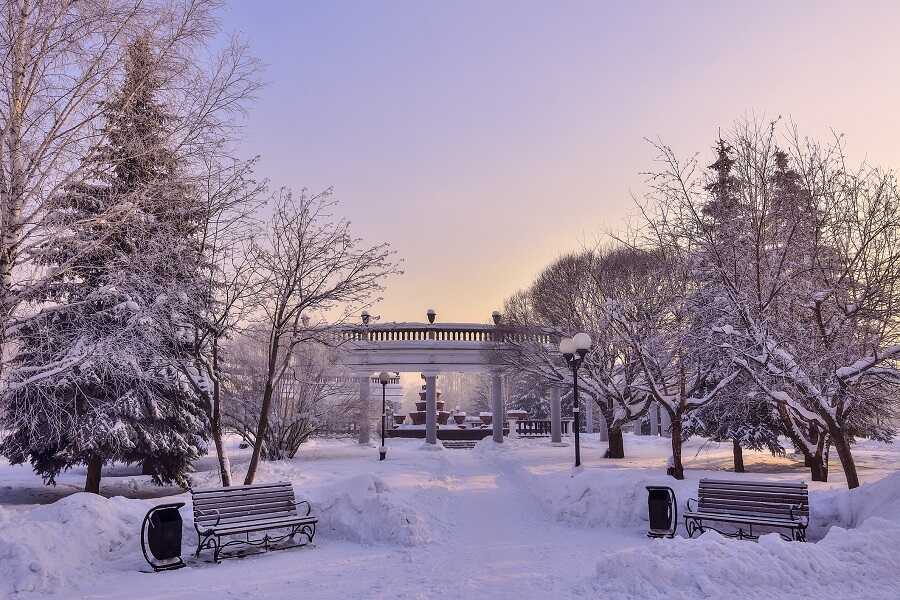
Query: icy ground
x=511 y=522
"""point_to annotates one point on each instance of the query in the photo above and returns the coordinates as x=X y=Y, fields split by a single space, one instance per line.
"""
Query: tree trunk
x=94 y=471
x=818 y=471
x=616 y=442
x=263 y=413
x=677 y=467
x=846 y=456
x=738 y=456
x=216 y=422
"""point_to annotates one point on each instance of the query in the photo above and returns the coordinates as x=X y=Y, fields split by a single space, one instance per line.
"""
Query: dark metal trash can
x=663 y=509
x=161 y=534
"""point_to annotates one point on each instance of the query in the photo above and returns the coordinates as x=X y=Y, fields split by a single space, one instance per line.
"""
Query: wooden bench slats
x=231 y=517
x=744 y=483
x=776 y=504
x=239 y=507
x=774 y=513
x=242 y=500
x=761 y=491
x=252 y=526
x=771 y=498
x=244 y=496
x=745 y=519
x=210 y=519
x=237 y=521
x=236 y=488
x=751 y=504
x=221 y=512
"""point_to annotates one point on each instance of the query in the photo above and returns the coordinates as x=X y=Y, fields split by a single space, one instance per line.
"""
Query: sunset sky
x=483 y=139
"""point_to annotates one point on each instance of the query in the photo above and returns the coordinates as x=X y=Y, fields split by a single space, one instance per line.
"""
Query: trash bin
x=161 y=534
x=663 y=511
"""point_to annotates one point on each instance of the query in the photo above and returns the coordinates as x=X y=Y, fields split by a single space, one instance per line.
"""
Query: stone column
x=654 y=419
x=665 y=422
x=497 y=406
x=430 y=408
x=588 y=407
x=601 y=425
x=555 y=416
x=363 y=416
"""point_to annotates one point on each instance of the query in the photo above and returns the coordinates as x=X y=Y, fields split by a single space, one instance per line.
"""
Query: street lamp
x=384 y=377
x=573 y=350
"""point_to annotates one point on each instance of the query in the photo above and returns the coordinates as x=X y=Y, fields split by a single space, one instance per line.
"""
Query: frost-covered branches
x=796 y=260
x=308 y=394
x=309 y=264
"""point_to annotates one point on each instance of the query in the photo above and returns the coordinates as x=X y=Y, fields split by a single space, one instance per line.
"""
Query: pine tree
x=123 y=400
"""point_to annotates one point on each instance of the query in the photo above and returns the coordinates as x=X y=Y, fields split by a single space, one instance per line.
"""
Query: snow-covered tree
x=800 y=284
x=61 y=61
x=310 y=264
x=309 y=394
x=570 y=295
x=117 y=395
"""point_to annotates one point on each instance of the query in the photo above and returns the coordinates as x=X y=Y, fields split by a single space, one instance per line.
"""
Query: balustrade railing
x=442 y=333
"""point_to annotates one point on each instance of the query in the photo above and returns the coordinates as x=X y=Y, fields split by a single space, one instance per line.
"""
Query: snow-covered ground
x=497 y=522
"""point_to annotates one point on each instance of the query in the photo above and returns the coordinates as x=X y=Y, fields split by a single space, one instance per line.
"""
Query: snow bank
x=860 y=563
x=61 y=545
x=851 y=508
x=611 y=497
x=364 y=509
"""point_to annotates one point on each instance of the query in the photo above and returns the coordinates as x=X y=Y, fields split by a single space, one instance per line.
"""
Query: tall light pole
x=573 y=350
x=384 y=377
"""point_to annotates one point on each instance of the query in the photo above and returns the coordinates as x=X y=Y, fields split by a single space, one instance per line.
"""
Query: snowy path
x=492 y=541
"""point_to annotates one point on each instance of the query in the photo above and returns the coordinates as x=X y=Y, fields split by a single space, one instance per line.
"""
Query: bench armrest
x=308 y=506
x=208 y=527
x=689 y=507
x=800 y=518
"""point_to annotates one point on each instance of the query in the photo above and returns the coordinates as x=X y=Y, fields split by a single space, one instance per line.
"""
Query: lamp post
x=573 y=350
x=383 y=377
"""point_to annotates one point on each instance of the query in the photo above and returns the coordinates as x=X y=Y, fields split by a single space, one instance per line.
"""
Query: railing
x=421 y=332
x=540 y=427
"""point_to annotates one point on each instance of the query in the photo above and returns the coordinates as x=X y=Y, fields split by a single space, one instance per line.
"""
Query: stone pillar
x=588 y=406
x=555 y=416
x=430 y=408
x=363 y=416
x=665 y=422
x=654 y=419
x=601 y=425
x=497 y=406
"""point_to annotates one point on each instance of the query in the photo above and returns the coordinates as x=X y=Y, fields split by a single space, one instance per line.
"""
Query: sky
x=483 y=139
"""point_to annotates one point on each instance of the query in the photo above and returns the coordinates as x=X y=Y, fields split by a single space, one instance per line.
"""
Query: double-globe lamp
x=384 y=377
x=573 y=350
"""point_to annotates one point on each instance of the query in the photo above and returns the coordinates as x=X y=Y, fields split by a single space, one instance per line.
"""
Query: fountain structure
x=418 y=416
x=461 y=428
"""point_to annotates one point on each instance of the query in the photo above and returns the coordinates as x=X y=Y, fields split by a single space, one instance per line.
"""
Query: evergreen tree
x=118 y=396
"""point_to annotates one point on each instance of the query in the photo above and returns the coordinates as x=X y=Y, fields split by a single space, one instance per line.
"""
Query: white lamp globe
x=582 y=341
x=384 y=377
x=567 y=346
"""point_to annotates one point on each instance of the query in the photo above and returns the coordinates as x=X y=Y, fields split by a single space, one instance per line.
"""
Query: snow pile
x=860 y=563
x=61 y=545
x=850 y=509
x=611 y=497
x=364 y=509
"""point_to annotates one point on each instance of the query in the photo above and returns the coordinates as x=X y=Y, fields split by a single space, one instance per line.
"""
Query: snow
x=513 y=521
x=857 y=563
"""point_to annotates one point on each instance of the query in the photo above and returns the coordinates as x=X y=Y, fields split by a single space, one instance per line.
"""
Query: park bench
x=745 y=504
x=241 y=510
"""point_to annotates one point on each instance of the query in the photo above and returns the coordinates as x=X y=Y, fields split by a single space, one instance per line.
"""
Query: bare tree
x=228 y=289
x=309 y=265
x=310 y=393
